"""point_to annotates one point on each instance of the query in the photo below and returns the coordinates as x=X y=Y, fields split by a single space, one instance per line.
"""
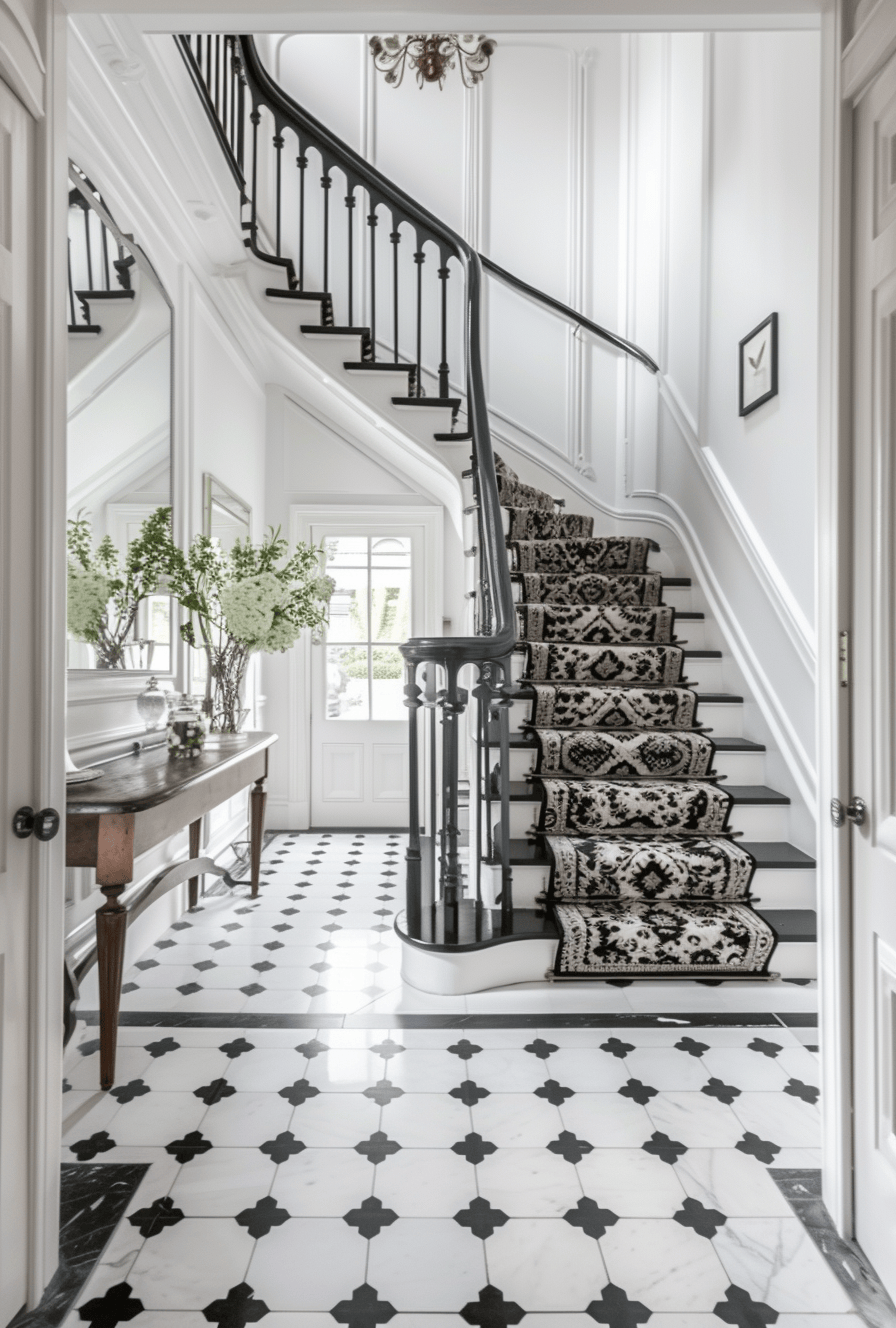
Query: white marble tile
x=266 y=1069
x=631 y=1183
x=407 y=1000
x=222 y=1182
x=798 y=1158
x=777 y=1261
x=83 y=1072
x=355 y=1038
x=157 y=1118
x=246 y=1120
x=184 y=1069
x=548 y=998
x=784 y=1120
x=209 y=1002
x=191 y=1264
x=427 y=1120
x=813 y=1321
x=323 y=1182
x=587 y=1071
x=346 y=1070
x=151 y=998
x=93 y=1114
x=308 y=1262
x=544 y=1266
x=427 y=1263
x=421 y=1071
x=166 y=975
x=517 y=1120
x=227 y=977
x=425 y=1182
x=731 y=1182
x=337 y=1002
x=335 y=1120
x=528 y=1182
x=695 y=1120
x=745 y=1069
x=607 y=1120
x=798 y=1063
x=168 y=1319
x=664 y=1265
x=666 y=1069
x=278 y=1002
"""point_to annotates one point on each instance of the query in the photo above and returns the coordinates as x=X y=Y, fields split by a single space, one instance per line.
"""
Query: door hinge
x=843 y=656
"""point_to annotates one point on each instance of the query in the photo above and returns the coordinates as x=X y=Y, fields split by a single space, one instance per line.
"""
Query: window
x=370 y=616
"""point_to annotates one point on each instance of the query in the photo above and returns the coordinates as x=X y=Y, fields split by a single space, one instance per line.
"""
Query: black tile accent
x=214 y=1092
x=312 y=1048
x=541 y=1049
x=260 y=1219
x=764 y=1048
x=591 y=1218
x=615 y=1308
x=638 y=1092
x=614 y=1047
x=127 y=1092
x=740 y=1308
x=92 y=1201
x=387 y=1049
x=661 y=1146
x=480 y=1218
x=469 y=1093
x=195 y=1019
x=238 y=1047
x=763 y=1149
x=160 y=1214
x=378 y=1147
x=554 y=1092
x=162 y=1047
x=690 y=1047
x=802 y=1190
x=86 y=1149
x=723 y=1092
x=382 y=1093
x=705 y=1221
x=298 y=1092
x=474 y=1148
x=364 y=1310
x=192 y=1145
x=116 y=1306
x=492 y=1310
x=237 y=1309
x=370 y=1218
x=806 y=1092
x=284 y=1146
x=567 y=1146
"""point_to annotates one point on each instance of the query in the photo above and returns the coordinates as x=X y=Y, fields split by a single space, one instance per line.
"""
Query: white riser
x=771 y=887
x=453 y=974
x=679 y=597
x=738 y=767
x=693 y=636
x=761 y=822
x=706 y=675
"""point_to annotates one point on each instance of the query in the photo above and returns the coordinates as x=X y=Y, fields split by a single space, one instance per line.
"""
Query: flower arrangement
x=251 y=598
x=104 y=591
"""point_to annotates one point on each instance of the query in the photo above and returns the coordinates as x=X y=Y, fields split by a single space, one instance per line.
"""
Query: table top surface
x=139 y=783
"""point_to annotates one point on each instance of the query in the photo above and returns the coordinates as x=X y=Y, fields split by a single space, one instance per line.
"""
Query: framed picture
x=758 y=366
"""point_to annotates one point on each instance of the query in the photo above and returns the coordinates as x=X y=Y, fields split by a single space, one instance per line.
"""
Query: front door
x=873 y=688
x=359 y=724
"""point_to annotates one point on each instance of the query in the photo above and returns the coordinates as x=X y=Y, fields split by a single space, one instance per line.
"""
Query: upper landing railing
x=341 y=235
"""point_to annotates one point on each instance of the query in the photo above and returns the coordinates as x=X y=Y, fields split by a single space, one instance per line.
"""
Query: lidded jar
x=152 y=705
x=186 y=732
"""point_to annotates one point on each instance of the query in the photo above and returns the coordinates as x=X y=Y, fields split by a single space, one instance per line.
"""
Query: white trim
x=869 y=50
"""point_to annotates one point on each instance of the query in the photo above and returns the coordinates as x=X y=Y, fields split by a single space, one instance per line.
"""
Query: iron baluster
x=105 y=239
x=301 y=162
x=444 y=390
x=414 y=883
x=278 y=148
x=71 y=286
x=241 y=124
x=256 y=120
x=350 y=204
x=419 y=259
x=503 y=707
x=371 y=222
x=325 y=183
x=87 y=246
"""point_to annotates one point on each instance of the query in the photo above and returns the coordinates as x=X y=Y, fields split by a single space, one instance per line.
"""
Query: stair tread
x=720 y=698
x=737 y=745
x=777 y=853
x=452 y=437
x=743 y=795
x=84 y=327
x=105 y=294
x=519 y=740
x=676 y=581
x=278 y=294
x=791 y=924
x=452 y=403
x=703 y=654
x=378 y=366
x=315 y=328
x=685 y=615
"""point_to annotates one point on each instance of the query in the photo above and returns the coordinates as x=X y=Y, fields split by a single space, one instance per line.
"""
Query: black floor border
x=93 y=1199
x=182 y=1019
x=802 y=1190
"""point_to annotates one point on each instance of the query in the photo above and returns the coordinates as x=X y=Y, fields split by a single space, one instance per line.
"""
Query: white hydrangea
x=88 y=596
x=249 y=606
x=282 y=635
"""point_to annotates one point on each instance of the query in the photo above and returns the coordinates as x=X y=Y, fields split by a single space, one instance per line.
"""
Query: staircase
x=480 y=908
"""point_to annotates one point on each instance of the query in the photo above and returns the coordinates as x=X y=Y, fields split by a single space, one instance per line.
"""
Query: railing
x=392 y=289
x=97 y=263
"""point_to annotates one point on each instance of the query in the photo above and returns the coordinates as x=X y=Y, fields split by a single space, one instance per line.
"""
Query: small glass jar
x=186 y=732
x=152 y=706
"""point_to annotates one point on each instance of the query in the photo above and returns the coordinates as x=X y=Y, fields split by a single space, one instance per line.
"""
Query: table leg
x=111 y=929
x=195 y=834
x=257 y=799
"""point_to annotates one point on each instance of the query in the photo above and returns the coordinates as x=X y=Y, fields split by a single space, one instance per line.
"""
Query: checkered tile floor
x=431 y=1176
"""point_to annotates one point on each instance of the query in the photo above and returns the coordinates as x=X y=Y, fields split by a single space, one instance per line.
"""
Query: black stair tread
x=748 y=795
x=676 y=581
x=521 y=740
x=105 y=294
x=703 y=654
x=450 y=403
x=378 y=366
x=772 y=853
x=452 y=437
x=314 y=328
x=737 y=745
x=278 y=294
x=791 y=924
x=719 y=698
x=683 y=615
x=516 y=739
x=524 y=854
x=85 y=327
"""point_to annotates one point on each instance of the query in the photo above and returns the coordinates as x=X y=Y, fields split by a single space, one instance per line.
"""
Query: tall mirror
x=119 y=444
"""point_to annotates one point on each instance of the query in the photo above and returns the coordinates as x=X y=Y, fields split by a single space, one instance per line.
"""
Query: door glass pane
x=390 y=604
x=387 y=687
x=347 y=684
x=348 y=604
x=390 y=551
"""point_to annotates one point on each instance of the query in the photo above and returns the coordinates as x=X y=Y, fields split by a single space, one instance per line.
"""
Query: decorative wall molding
x=21 y=62
x=869 y=50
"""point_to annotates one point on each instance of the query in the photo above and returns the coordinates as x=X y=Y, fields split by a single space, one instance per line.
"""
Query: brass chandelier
x=431 y=56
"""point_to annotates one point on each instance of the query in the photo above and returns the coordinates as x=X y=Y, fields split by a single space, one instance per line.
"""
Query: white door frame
x=350 y=517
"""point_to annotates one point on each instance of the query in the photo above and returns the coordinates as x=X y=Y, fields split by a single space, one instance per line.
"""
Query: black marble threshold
x=702 y=1019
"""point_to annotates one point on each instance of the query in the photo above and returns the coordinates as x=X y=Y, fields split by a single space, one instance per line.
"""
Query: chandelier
x=432 y=56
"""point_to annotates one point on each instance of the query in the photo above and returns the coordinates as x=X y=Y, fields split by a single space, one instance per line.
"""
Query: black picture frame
x=748 y=397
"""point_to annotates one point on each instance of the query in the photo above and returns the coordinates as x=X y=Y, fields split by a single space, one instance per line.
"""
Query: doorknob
x=855 y=811
x=44 y=825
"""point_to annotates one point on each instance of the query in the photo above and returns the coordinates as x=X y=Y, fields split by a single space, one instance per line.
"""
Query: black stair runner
x=645 y=876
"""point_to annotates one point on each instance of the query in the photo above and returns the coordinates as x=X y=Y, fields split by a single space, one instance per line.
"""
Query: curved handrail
x=500 y=642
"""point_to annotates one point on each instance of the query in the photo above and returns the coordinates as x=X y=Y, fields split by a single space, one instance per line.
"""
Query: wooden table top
x=139 y=783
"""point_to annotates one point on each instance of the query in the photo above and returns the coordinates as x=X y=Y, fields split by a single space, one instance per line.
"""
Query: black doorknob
x=44 y=825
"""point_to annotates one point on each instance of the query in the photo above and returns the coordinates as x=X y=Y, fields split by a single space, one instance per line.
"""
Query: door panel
x=342 y=772
x=873 y=683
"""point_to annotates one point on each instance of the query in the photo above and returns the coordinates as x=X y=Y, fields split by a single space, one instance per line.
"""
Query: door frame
x=351 y=516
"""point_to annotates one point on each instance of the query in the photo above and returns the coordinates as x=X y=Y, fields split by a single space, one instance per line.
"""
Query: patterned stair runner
x=646 y=879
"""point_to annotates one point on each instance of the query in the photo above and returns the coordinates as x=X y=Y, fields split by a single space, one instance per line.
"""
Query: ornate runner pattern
x=645 y=878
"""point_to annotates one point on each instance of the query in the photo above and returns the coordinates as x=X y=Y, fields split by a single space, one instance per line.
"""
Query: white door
x=359 y=724
x=29 y=1171
x=873 y=688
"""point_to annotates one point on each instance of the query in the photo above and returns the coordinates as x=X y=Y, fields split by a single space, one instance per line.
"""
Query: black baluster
x=443 y=367
x=255 y=117
x=419 y=259
x=208 y=64
x=105 y=236
x=278 y=148
x=453 y=705
x=414 y=883
x=225 y=87
x=217 y=93
x=241 y=123
x=71 y=286
x=435 y=830
x=325 y=183
x=301 y=162
x=395 y=237
x=503 y=708
x=350 y=217
x=89 y=255
x=371 y=222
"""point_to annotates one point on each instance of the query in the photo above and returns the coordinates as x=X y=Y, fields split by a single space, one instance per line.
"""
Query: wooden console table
x=136 y=804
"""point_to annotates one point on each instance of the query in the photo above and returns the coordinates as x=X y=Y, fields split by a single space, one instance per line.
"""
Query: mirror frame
x=117 y=678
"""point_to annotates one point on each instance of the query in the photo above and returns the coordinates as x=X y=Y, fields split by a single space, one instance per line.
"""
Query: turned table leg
x=195 y=839
x=114 y=868
x=257 y=799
